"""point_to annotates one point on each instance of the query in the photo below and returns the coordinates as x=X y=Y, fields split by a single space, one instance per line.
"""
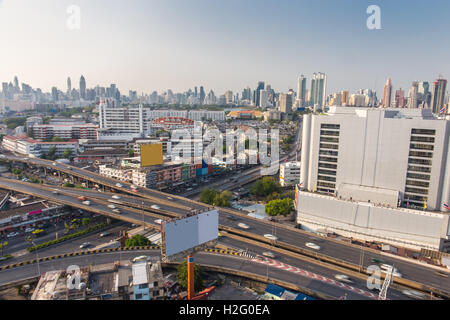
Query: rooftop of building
x=392 y=113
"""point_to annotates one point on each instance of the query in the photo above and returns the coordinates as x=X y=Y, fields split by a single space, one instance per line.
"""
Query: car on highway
x=312 y=246
x=140 y=258
x=154 y=206
x=376 y=260
x=28 y=230
x=111 y=206
x=55 y=192
x=116 y=197
x=119 y=185
x=270 y=237
x=385 y=268
x=343 y=278
x=158 y=221
x=169 y=198
x=189 y=189
x=86 y=203
x=85 y=245
x=117 y=211
x=414 y=294
x=243 y=226
x=442 y=274
x=268 y=254
x=105 y=234
x=81 y=198
x=12 y=234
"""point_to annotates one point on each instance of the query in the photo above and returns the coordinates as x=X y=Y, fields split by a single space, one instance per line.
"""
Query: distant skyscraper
x=202 y=95
x=413 y=101
x=387 y=93
x=399 y=99
x=69 y=85
x=286 y=103
x=318 y=89
x=301 y=91
x=82 y=88
x=195 y=92
x=16 y=83
x=229 y=97
x=257 y=93
x=438 y=99
x=344 y=97
x=55 y=94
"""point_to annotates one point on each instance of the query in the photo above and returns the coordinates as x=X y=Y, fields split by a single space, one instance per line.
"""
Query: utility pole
x=190 y=277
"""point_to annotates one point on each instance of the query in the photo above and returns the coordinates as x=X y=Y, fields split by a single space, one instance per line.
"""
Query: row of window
x=328 y=153
x=329 y=146
x=421 y=154
x=422 y=139
x=420 y=161
x=418 y=176
x=417 y=183
x=428 y=132
x=419 y=169
x=329 y=133
x=330 y=126
x=326 y=178
x=416 y=190
x=418 y=146
x=328 y=172
x=328 y=139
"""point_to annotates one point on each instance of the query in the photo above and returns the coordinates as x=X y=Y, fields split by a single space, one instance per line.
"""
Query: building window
x=424 y=132
x=422 y=139
x=418 y=176
x=329 y=133
x=328 y=153
x=138 y=296
x=329 y=146
x=330 y=126
x=327 y=165
x=421 y=154
x=327 y=139
x=417 y=146
x=417 y=183
x=327 y=159
x=143 y=286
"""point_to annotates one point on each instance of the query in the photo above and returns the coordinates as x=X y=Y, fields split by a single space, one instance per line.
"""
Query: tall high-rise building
x=256 y=97
x=301 y=91
x=387 y=94
x=413 y=101
x=55 y=94
x=16 y=83
x=424 y=94
x=202 y=95
x=286 y=103
x=399 y=99
x=438 y=98
x=69 y=85
x=83 y=88
x=229 y=97
x=344 y=97
x=318 y=89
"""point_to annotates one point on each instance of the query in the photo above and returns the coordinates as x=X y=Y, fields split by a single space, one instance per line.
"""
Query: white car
x=243 y=226
x=312 y=246
x=140 y=258
x=12 y=234
x=133 y=187
x=116 y=197
x=155 y=207
x=111 y=206
x=169 y=198
x=268 y=254
x=117 y=211
x=343 y=278
x=158 y=221
x=118 y=185
x=413 y=294
x=385 y=268
x=86 y=203
x=27 y=230
x=270 y=237
x=84 y=245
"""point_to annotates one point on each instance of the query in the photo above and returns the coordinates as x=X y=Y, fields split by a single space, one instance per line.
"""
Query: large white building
x=387 y=172
x=33 y=148
x=133 y=122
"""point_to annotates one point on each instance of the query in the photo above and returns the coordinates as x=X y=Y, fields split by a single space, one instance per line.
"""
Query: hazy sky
x=151 y=45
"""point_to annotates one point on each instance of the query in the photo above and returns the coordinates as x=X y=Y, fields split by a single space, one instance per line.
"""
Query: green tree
x=51 y=155
x=137 y=241
x=67 y=154
x=182 y=276
x=265 y=187
x=280 y=207
x=85 y=221
x=131 y=153
x=207 y=196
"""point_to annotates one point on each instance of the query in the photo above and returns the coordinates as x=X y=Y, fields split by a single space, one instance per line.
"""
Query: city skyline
x=198 y=45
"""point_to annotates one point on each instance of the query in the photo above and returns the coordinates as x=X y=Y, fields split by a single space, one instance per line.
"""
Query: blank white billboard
x=190 y=232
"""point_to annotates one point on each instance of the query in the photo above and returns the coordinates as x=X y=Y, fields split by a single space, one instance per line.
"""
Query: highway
x=296 y=237
x=339 y=250
x=231 y=262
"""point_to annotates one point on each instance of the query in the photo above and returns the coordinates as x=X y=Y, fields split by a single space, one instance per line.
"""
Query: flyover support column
x=108 y=221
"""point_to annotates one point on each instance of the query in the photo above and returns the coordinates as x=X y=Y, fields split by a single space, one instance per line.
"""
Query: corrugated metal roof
x=140 y=273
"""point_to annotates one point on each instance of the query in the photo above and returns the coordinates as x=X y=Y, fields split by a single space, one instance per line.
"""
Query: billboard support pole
x=190 y=277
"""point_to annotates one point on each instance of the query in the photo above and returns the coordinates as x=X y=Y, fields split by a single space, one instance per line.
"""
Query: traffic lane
x=246 y=265
x=309 y=266
x=72 y=245
x=29 y=271
x=138 y=217
x=128 y=199
x=343 y=252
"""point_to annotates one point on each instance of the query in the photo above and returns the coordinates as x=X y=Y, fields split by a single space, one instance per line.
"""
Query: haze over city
x=160 y=45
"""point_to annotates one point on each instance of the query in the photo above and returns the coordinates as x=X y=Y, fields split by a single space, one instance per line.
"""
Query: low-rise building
x=289 y=173
x=34 y=148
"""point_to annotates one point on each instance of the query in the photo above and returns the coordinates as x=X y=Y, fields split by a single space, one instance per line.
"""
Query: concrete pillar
x=190 y=277
x=108 y=221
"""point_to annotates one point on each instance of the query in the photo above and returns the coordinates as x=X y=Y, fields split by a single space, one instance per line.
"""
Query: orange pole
x=190 y=277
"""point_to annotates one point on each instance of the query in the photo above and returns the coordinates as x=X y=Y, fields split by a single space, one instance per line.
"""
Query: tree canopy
x=265 y=187
x=216 y=198
x=280 y=207
x=137 y=241
x=182 y=276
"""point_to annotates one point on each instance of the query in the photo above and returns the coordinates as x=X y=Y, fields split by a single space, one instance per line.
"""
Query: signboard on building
x=151 y=154
x=188 y=233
